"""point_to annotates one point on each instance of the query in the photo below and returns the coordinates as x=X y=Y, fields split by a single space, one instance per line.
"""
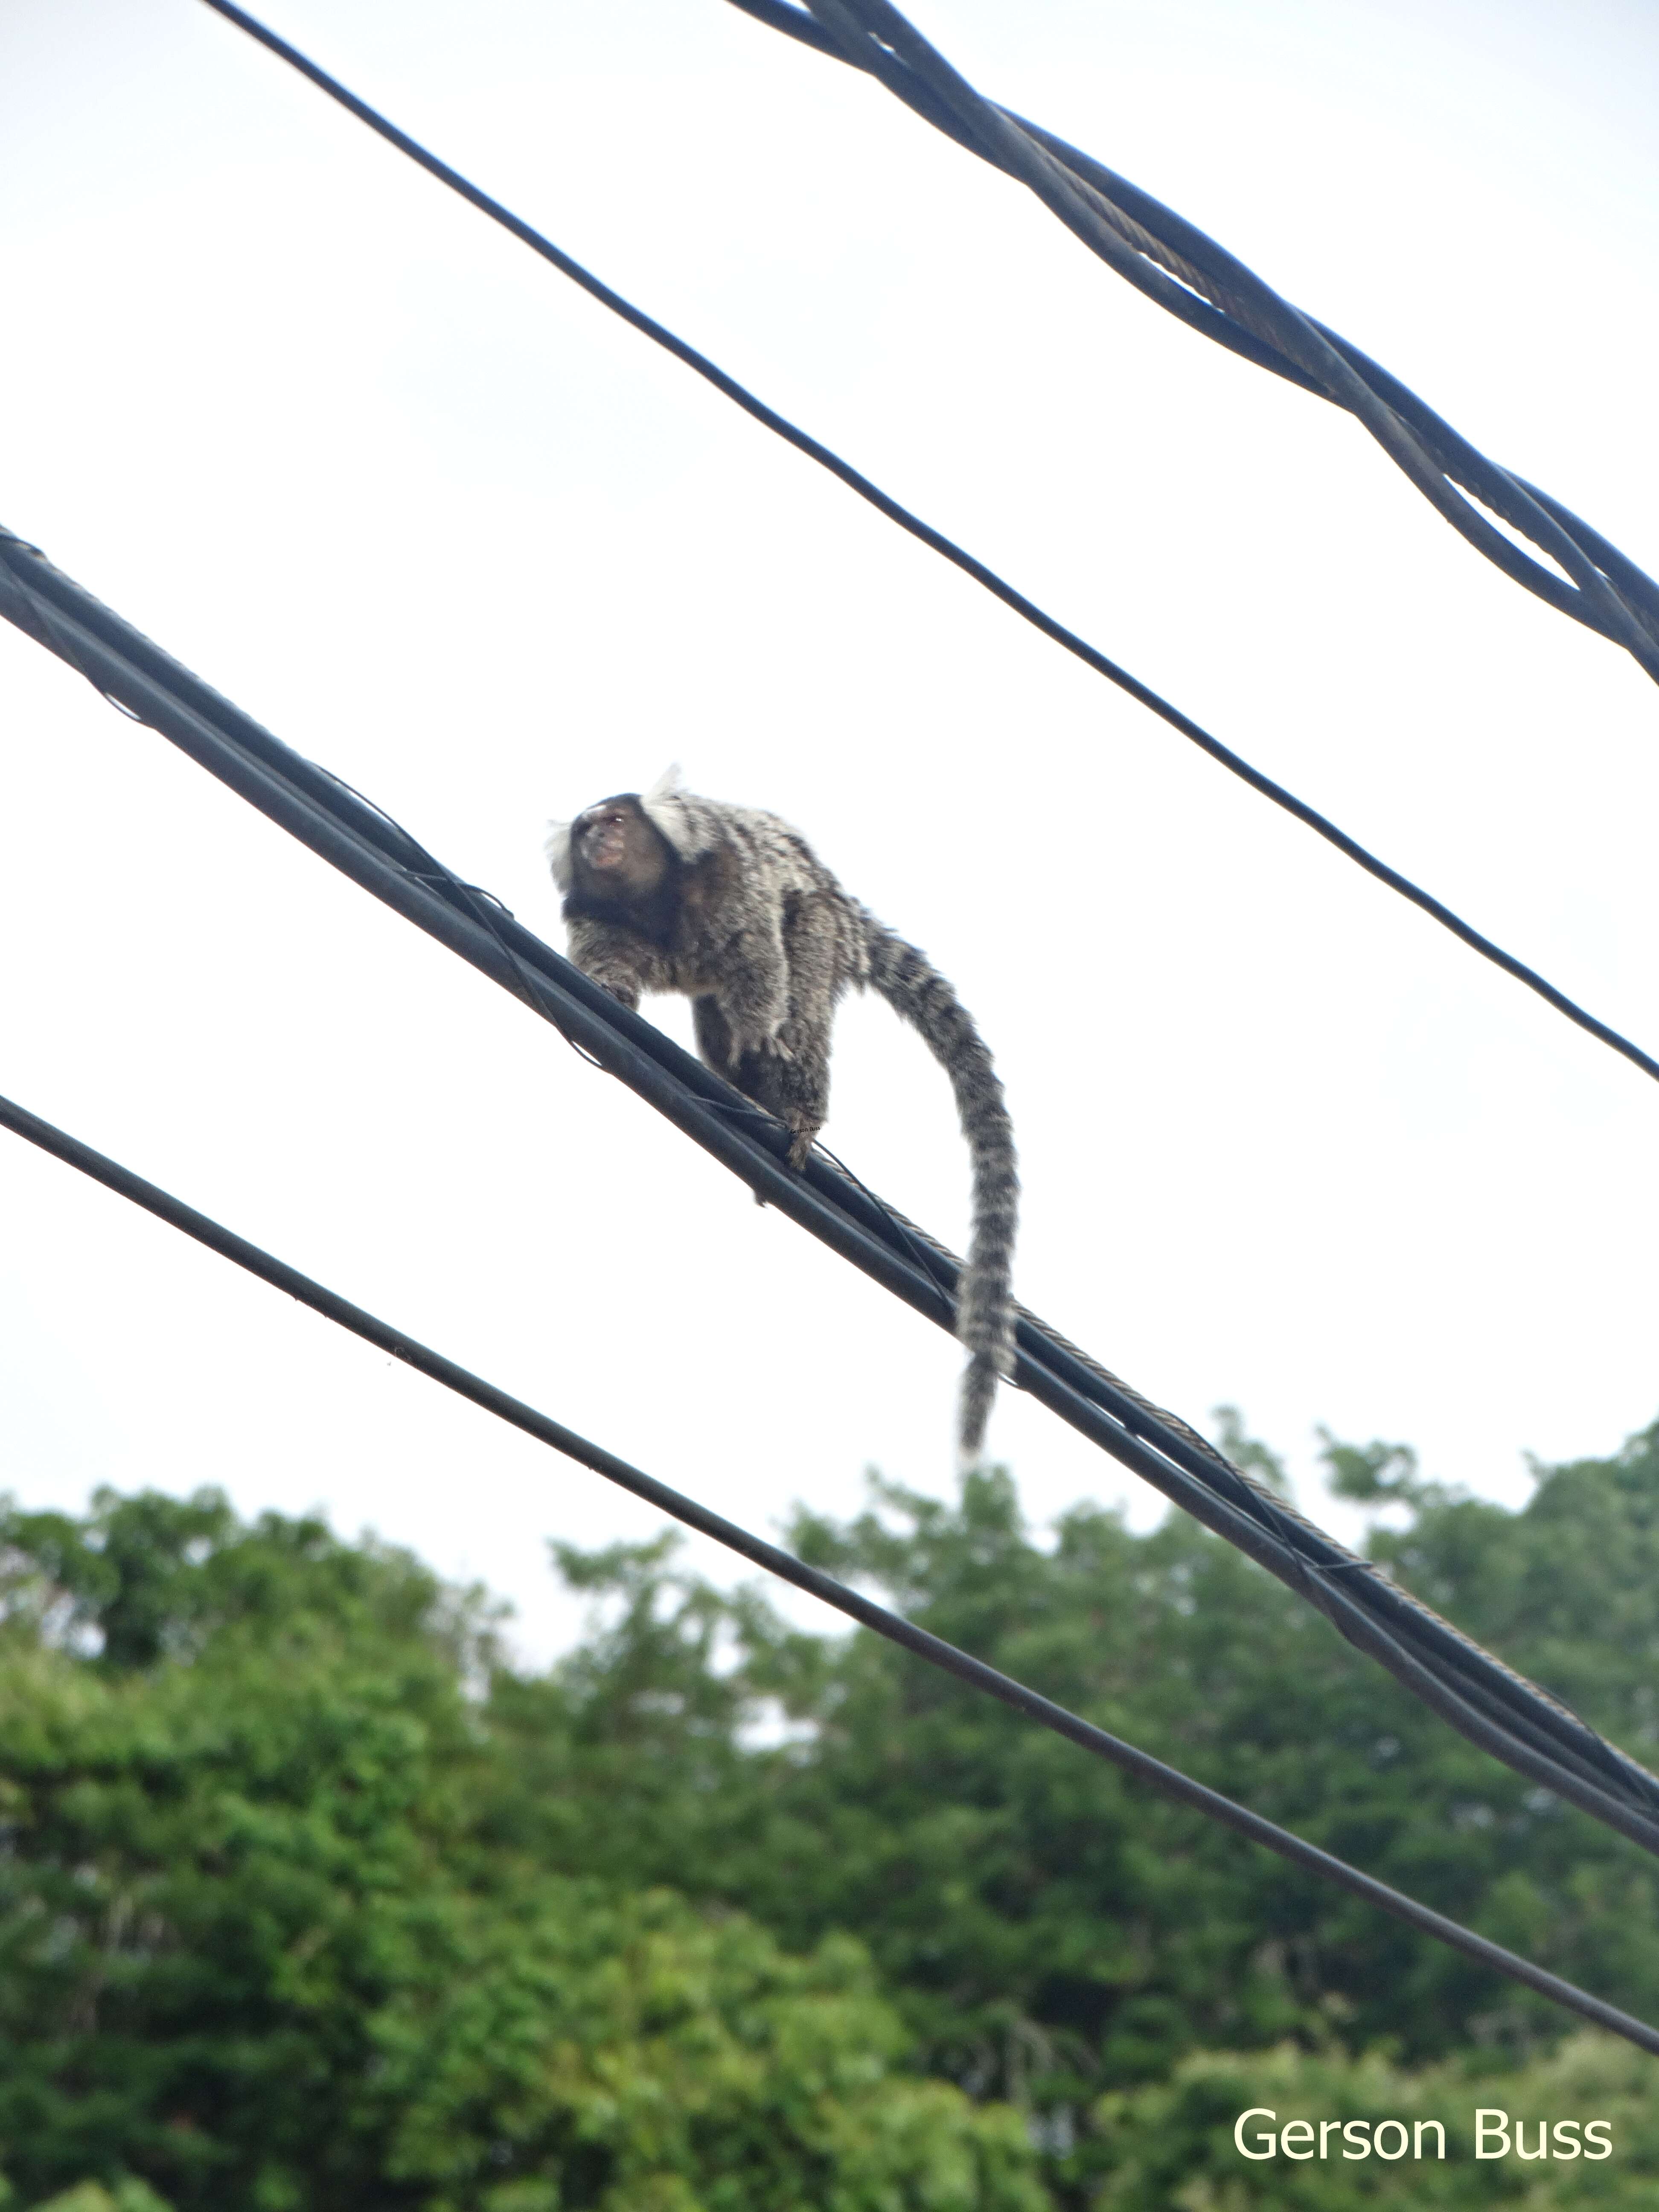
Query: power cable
x=1477 y=1693
x=1189 y=275
x=946 y=548
x=1168 y=1781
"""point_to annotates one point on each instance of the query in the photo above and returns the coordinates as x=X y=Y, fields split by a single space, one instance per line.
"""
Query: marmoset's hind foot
x=800 y=1146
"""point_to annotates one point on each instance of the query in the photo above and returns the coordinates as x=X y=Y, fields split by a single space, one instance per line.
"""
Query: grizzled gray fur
x=667 y=892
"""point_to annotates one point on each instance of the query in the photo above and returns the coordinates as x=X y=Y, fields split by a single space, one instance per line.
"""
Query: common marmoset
x=667 y=892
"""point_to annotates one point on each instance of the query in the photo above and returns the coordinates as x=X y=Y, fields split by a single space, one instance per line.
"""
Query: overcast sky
x=445 y=526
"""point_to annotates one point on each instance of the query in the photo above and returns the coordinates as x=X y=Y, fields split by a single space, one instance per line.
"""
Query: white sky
x=442 y=524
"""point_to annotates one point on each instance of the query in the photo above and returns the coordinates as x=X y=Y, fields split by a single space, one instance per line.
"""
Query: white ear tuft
x=557 y=850
x=664 y=804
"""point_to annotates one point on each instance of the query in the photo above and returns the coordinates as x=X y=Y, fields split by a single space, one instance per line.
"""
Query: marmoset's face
x=613 y=844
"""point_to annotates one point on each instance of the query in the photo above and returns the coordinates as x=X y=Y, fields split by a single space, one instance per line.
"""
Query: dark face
x=615 y=849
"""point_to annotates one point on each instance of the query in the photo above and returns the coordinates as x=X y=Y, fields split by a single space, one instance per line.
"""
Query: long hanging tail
x=919 y=994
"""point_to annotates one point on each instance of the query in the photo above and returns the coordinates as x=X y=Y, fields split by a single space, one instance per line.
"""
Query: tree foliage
x=309 y=1897
x=252 y=1953
x=1040 y=1920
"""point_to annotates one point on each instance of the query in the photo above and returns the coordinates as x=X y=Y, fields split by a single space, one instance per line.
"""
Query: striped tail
x=919 y=994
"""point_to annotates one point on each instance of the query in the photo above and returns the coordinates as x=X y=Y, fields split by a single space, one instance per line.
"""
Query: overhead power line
x=1188 y=274
x=1168 y=1781
x=1475 y=1692
x=939 y=542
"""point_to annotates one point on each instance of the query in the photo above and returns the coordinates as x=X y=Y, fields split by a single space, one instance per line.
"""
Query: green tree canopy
x=309 y=1897
x=252 y=1953
x=1037 y=1917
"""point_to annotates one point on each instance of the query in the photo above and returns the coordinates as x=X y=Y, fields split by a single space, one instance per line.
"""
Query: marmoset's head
x=623 y=846
x=613 y=846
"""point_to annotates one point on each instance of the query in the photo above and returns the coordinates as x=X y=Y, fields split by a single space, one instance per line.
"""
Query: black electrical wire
x=1309 y=1560
x=996 y=584
x=1168 y=1781
x=1490 y=1704
x=1174 y=263
x=1473 y=1708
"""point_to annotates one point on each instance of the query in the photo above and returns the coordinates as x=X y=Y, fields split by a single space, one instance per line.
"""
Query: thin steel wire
x=1168 y=1781
x=1485 y=1699
x=999 y=588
